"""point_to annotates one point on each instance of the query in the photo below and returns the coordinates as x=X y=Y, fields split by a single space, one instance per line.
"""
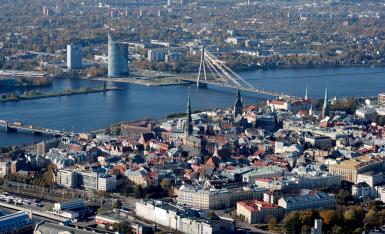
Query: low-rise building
x=262 y=172
x=258 y=211
x=381 y=99
x=182 y=219
x=362 y=190
x=138 y=177
x=319 y=141
x=69 y=205
x=209 y=199
x=310 y=201
x=5 y=168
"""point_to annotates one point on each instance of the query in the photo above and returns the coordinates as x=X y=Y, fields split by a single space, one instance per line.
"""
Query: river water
x=97 y=110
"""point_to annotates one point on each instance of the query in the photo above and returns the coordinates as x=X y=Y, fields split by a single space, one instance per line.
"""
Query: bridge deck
x=30 y=128
x=260 y=91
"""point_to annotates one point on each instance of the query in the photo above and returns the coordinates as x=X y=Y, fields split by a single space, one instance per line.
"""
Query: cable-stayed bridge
x=213 y=71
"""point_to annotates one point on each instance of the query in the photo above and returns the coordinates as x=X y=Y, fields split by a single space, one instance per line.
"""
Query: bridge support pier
x=201 y=85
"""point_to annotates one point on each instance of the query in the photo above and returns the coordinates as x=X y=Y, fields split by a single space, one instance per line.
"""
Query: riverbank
x=14 y=98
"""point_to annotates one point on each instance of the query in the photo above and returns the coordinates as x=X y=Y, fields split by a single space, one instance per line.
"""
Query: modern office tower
x=74 y=56
x=117 y=58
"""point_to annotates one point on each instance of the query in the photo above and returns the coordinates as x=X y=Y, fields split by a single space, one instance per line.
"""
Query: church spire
x=188 y=128
x=306 y=92
x=325 y=107
x=238 y=107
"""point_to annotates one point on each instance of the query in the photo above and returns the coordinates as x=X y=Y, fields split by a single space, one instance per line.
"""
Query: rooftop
x=255 y=205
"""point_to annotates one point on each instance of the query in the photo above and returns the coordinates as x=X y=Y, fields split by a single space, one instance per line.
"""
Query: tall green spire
x=325 y=107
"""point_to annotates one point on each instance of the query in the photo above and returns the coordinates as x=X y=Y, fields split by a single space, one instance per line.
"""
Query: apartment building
x=216 y=198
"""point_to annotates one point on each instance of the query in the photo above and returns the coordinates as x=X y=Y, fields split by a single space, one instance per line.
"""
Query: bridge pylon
x=202 y=66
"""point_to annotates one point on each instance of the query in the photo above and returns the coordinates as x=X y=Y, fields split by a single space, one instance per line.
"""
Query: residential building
x=236 y=40
x=106 y=183
x=68 y=178
x=216 y=198
x=381 y=99
x=5 y=168
x=74 y=56
x=138 y=177
x=43 y=147
x=381 y=193
x=362 y=190
x=156 y=55
x=258 y=211
x=88 y=180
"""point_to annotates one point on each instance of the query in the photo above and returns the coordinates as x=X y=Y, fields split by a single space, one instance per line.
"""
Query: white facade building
x=181 y=219
x=74 y=56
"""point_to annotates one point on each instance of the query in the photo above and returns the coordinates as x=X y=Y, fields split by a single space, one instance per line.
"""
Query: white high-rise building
x=74 y=56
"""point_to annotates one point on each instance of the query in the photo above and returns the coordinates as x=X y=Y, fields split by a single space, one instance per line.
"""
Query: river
x=97 y=110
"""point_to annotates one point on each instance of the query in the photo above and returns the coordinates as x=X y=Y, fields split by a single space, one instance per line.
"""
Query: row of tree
x=345 y=219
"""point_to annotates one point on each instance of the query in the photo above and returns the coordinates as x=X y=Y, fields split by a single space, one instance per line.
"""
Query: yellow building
x=349 y=169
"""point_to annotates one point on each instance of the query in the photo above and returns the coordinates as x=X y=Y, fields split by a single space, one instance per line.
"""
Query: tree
x=165 y=184
x=307 y=217
x=272 y=223
x=350 y=216
x=343 y=197
x=117 y=204
x=211 y=215
x=328 y=218
x=123 y=227
x=127 y=189
x=371 y=219
x=138 y=191
x=292 y=223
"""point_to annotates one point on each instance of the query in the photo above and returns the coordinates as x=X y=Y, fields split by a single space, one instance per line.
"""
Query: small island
x=12 y=97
